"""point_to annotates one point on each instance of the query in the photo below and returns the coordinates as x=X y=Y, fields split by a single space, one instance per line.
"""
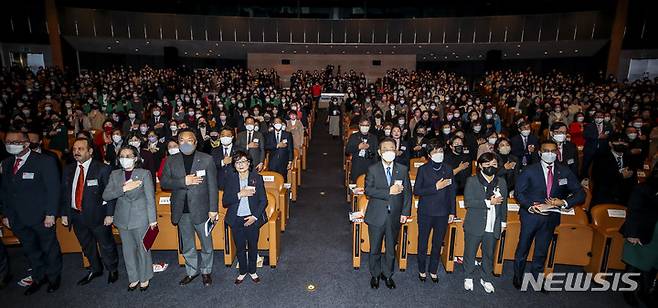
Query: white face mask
x=278 y=126
x=14 y=149
x=116 y=138
x=559 y=138
x=631 y=136
x=173 y=128
x=364 y=129
x=437 y=157
x=492 y=141
x=173 y=151
x=446 y=130
x=387 y=132
x=525 y=133
x=388 y=156
x=135 y=144
x=504 y=150
x=249 y=127
x=548 y=157
x=127 y=163
x=477 y=128
x=226 y=140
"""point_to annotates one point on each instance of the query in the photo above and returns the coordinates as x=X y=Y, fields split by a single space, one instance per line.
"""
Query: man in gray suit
x=389 y=204
x=253 y=143
x=192 y=177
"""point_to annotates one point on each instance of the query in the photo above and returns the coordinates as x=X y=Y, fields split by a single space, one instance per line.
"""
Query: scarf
x=489 y=187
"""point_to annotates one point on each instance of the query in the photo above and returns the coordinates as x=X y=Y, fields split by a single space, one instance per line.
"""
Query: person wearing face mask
x=640 y=231
x=541 y=187
x=131 y=123
x=509 y=164
x=280 y=145
x=212 y=142
x=172 y=130
x=402 y=148
x=488 y=146
x=222 y=154
x=192 y=177
x=334 y=119
x=388 y=189
x=36 y=145
x=296 y=128
x=437 y=191
x=637 y=148
x=253 y=142
x=613 y=175
x=596 y=141
x=222 y=121
x=29 y=194
x=172 y=149
x=58 y=135
x=147 y=158
x=419 y=143
x=485 y=199
x=525 y=144
x=576 y=129
x=132 y=189
x=567 y=153
x=82 y=207
x=362 y=145
x=112 y=149
x=456 y=158
x=158 y=121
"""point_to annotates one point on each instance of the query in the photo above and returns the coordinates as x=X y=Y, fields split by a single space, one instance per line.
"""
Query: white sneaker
x=488 y=287
x=468 y=284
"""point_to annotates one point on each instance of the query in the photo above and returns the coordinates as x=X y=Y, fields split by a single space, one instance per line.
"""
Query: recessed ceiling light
x=517 y=54
x=282 y=51
x=343 y=51
x=518 y=46
x=446 y=46
x=116 y=41
x=196 y=54
x=367 y=52
x=380 y=52
x=148 y=42
x=216 y=44
x=420 y=46
x=109 y=47
x=294 y=51
x=392 y=52
x=453 y=53
x=456 y=57
x=423 y=58
x=468 y=57
x=307 y=51
x=219 y=55
x=545 y=52
x=394 y=46
x=431 y=54
x=560 y=51
x=242 y=45
x=136 y=49
x=505 y=55
x=186 y=53
x=446 y=57
x=576 y=51
x=479 y=56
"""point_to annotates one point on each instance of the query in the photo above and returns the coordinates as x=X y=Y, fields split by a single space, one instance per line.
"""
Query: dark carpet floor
x=315 y=250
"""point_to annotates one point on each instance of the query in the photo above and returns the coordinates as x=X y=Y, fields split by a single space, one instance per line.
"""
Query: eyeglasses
x=242 y=162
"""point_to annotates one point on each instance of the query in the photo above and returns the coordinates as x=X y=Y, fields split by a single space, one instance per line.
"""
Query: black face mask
x=214 y=138
x=489 y=171
x=459 y=149
x=619 y=147
x=34 y=145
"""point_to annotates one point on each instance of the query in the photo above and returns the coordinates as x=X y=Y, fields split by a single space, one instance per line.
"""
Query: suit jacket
x=202 y=198
x=642 y=213
x=570 y=156
x=257 y=202
x=217 y=156
x=593 y=144
x=531 y=188
x=136 y=208
x=379 y=199
x=435 y=202
x=476 y=216
x=608 y=185
x=96 y=179
x=257 y=154
x=517 y=146
x=405 y=157
x=360 y=164
x=279 y=157
x=33 y=193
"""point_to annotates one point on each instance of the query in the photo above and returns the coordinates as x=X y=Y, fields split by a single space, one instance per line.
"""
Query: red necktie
x=559 y=154
x=80 y=188
x=549 y=181
x=16 y=164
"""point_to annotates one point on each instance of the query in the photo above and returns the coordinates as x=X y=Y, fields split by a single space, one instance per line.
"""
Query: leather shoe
x=53 y=285
x=421 y=278
x=238 y=280
x=34 y=287
x=390 y=283
x=88 y=278
x=374 y=282
x=113 y=277
x=207 y=280
x=187 y=279
x=5 y=281
x=516 y=282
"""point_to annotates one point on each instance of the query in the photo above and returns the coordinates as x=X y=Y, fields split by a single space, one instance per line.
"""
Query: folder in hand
x=149 y=237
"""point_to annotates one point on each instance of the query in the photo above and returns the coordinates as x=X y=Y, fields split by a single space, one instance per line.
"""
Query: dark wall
x=90 y=60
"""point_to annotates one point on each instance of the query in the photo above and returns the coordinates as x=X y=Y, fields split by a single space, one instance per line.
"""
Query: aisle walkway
x=315 y=250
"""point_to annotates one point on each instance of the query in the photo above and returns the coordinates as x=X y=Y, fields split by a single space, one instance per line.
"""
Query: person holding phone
x=134 y=212
x=246 y=200
x=485 y=198
x=436 y=208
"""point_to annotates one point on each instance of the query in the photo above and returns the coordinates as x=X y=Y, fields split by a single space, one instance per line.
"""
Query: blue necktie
x=388 y=175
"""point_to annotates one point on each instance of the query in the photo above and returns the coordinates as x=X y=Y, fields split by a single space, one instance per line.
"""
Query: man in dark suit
x=192 y=177
x=5 y=277
x=36 y=145
x=596 y=141
x=158 y=121
x=280 y=145
x=567 y=153
x=131 y=124
x=222 y=155
x=524 y=144
x=388 y=189
x=253 y=143
x=82 y=206
x=541 y=187
x=362 y=145
x=29 y=195
x=613 y=177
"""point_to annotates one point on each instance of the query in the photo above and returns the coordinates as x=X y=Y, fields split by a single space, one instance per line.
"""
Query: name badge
x=403 y=148
x=268 y=178
x=92 y=182
x=201 y=173
x=562 y=182
x=284 y=140
x=466 y=151
x=571 y=161
x=28 y=176
x=423 y=145
x=255 y=140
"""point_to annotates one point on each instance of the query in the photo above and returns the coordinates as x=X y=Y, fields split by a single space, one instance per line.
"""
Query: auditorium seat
x=68 y=242
x=274 y=184
x=360 y=240
x=608 y=243
x=167 y=238
x=573 y=239
x=414 y=164
x=354 y=190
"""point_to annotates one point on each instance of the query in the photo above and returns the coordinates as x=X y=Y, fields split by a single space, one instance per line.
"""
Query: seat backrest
x=460 y=209
x=579 y=217
x=362 y=203
x=414 y=164
x=271 y=204
x=606 y=216
x=163 y=201
x=273 y=180
x=361 y=181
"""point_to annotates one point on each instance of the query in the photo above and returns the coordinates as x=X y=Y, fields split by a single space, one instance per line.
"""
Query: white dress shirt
x=23 y=160
x=226 y=149
x=75 y=179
